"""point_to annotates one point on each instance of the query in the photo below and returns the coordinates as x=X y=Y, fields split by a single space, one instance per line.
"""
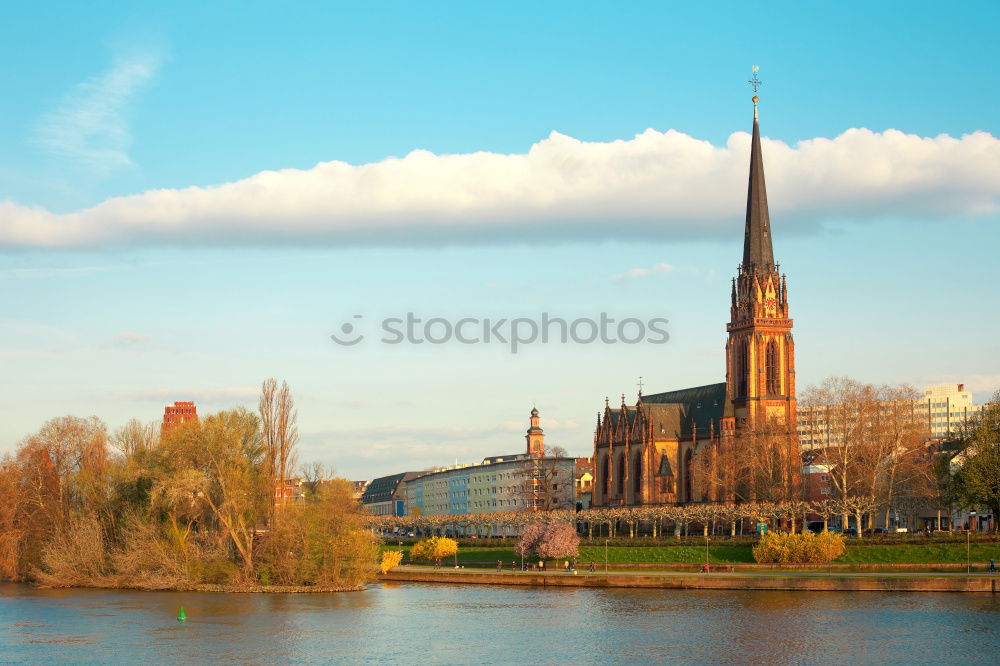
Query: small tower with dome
x=535 y=437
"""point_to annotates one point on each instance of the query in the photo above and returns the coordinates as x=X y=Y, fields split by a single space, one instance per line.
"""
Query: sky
x=194 y=197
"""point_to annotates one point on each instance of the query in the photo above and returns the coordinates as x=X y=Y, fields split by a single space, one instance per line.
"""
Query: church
x=646 y=453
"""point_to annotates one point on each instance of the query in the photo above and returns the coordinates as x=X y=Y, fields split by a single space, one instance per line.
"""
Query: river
x=422 y=624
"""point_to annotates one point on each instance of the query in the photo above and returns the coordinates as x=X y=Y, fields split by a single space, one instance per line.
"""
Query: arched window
x=771 y=365
x=688 y=476
x=742 y=367
x=637 y=479
x=621 y=475
x=606 y=481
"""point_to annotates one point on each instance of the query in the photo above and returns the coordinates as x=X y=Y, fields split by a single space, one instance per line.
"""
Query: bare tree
x=279 y=433
x=135 y=438
x=546 y=483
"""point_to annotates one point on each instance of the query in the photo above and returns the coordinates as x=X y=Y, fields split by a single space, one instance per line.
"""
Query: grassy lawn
x=742 y=554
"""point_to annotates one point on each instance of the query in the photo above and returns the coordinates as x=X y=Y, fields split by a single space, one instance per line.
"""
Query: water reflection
x=459 y=624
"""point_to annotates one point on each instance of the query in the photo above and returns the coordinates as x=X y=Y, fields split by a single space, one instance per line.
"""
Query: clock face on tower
x=771 y=305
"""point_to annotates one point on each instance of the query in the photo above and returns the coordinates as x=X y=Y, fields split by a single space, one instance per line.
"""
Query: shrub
x=782 y=548
x=434 y=549
x=391 y=560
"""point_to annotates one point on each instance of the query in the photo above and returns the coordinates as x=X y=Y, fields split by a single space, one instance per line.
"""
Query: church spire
x=758 y=255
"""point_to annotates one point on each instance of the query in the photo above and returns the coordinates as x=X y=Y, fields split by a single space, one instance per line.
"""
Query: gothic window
x=742 y=367
x=688 y=476
x=771 y=365
x=606 y=489
x=621 y=476
x=637 y=479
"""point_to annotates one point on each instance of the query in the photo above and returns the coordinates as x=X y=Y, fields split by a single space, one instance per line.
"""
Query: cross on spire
x=754 y=81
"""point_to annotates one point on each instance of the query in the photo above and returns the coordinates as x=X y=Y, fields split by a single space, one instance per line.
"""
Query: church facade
x=646 y=453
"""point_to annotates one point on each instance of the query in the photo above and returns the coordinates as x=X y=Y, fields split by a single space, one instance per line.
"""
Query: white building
x=947 y=408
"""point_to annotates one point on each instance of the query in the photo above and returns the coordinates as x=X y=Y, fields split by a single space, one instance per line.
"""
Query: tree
x=549 y=541
x=434 y=549
x=556 y=452
x=977 y=479
x=279 y=433
x=546 y=484
x=224 y=461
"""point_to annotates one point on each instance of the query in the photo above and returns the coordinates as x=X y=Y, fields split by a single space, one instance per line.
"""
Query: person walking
x=993 y=567
x=499 y=566
x=593 y=567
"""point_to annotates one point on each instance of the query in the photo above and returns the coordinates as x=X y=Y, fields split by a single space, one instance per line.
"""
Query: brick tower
x=760 y=353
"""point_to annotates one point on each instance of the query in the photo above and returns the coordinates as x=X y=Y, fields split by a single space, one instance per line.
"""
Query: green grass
x=945 y=553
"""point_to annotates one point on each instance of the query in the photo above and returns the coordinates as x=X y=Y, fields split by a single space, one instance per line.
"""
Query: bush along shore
x=202 y=505
x=865 y=556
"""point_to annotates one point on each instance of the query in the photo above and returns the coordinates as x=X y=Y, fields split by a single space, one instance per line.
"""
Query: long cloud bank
x=654 y=185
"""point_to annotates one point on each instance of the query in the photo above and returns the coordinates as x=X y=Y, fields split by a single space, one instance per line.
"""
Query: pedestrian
x=499 y=566
x=513 y=565
x=593 y=567
x=993 y=567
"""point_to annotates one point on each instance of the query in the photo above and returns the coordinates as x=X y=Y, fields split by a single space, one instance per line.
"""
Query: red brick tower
x=178 y=413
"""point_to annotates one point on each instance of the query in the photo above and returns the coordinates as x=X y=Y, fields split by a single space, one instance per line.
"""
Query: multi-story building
x=518 y=482
x=947 y=408
x=178 y=413
x=942 y=413
x=387 y=495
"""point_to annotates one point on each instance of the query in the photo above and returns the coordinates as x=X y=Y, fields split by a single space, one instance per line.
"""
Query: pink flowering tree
x=549 y=541
x=532 y=535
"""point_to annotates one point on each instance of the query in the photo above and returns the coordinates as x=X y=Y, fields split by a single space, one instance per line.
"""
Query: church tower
x=535 y=437
x=760 y=353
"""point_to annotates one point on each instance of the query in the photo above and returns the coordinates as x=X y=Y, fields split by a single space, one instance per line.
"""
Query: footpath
x=853 y=581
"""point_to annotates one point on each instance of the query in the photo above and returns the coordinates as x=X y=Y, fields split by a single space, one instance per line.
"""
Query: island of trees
x=201 y=504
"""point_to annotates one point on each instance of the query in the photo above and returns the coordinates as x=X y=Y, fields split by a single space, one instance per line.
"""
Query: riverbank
x=235 y=588
x=857 y=554
x=724 y=580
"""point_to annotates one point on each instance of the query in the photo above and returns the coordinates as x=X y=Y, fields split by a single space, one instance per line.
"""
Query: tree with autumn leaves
x=193 y=505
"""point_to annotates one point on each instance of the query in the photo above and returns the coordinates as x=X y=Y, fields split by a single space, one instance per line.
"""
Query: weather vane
x=754 y=81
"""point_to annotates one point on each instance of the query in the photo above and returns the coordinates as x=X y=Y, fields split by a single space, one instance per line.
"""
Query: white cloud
x=130 y=339
x=654 y=185
x=90 y=125
x=644 y=272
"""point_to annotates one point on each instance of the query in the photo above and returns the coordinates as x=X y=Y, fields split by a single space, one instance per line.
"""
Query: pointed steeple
x=757 y=253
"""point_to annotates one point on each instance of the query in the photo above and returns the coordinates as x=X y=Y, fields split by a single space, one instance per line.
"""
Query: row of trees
x=202 y=502
x=870 y=442
x=657 y=520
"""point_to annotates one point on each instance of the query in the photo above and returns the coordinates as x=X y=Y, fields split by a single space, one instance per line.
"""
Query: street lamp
x=605 y=556
x=968 y=544
x=706 y=553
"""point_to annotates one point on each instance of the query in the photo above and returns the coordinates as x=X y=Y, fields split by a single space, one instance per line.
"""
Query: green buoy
x=181 y=617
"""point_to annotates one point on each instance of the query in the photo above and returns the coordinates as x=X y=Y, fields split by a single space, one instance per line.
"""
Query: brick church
x=646 y=453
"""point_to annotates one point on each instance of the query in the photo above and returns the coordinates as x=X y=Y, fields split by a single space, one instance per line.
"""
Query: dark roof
x=383 y=488
x=698 y=407
x=758 y=256
x=507 y=458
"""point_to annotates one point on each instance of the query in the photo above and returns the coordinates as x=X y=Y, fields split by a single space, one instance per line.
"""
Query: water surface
x=416 y=623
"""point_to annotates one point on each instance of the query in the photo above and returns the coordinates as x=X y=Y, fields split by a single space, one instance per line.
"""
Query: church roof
x=695 y=407
x=758 y=255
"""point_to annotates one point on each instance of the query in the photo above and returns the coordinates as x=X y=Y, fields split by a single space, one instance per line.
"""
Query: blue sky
x=888 y=238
